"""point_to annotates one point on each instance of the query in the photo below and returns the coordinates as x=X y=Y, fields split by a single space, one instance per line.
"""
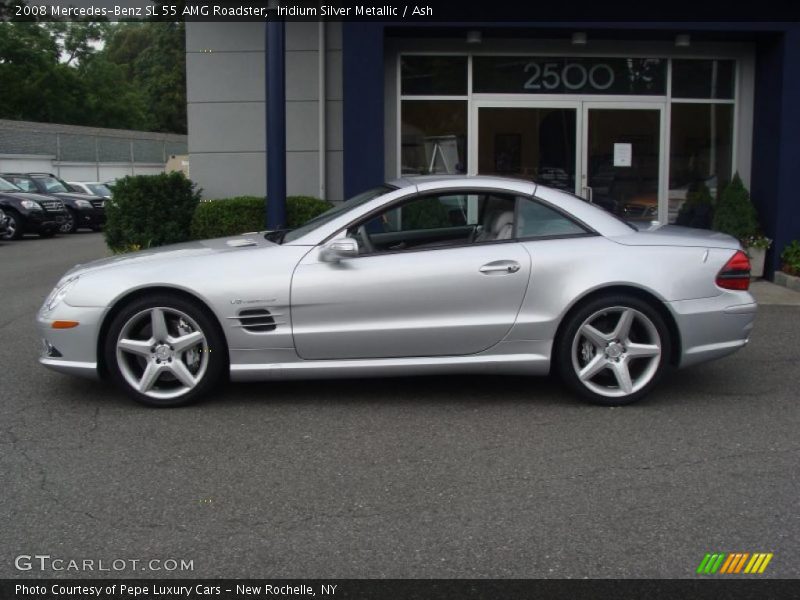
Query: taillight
x=735 y=275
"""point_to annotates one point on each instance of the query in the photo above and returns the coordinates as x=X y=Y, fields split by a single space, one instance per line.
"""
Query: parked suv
x=83 y=210
x=29 y=212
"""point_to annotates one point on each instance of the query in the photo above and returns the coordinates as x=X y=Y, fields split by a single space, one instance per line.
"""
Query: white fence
x=84 y=153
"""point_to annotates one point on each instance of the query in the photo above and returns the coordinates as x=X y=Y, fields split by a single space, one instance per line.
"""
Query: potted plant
x=736 y=216
x=789 y=275
x=756 y=247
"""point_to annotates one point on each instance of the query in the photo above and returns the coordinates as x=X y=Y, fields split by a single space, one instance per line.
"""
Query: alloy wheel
x=11 y=228
x=68 y=225
x=162 y=353
x=616 y=351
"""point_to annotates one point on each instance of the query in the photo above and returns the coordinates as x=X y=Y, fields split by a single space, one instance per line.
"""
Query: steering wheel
x=365 y=239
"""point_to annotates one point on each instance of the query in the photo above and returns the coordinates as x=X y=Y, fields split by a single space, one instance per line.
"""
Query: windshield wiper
x=276 y=235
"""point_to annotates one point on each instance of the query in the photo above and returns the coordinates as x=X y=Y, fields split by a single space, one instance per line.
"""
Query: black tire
x=71 y=224
x=216 y=355
x=15 y=228
x=605 y=387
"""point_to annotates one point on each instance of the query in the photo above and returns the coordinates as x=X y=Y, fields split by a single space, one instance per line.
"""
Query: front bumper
x=37 y=220
x=73 y=350
x=90 y=217
x=711 y=328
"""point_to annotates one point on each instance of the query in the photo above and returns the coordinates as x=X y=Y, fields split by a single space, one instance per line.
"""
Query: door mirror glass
x=336 y=250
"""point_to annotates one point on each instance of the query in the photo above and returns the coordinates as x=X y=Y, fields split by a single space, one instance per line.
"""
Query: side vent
x=257 y=320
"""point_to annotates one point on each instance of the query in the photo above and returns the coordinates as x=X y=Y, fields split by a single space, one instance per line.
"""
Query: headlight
x=31 y=205
x=58 y=293
x=83 y=204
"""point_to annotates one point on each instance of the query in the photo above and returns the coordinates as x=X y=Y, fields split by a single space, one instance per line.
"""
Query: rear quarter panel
x=566 y=270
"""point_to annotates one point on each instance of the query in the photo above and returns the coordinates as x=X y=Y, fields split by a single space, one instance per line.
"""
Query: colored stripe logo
x=732 y=563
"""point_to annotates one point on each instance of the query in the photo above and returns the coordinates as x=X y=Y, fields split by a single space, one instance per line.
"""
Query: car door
x=448 y=297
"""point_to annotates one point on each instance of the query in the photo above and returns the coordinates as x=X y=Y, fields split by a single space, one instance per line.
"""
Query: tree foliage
x=128 y=75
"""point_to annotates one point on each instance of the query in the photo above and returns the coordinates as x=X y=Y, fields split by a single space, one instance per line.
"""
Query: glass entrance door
x=623 y=159
x=610 y=153
x=530 y=141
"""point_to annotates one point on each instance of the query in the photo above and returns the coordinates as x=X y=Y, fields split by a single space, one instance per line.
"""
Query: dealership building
x=631 y=116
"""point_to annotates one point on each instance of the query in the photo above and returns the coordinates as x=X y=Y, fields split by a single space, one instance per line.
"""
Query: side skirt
x=518 y=364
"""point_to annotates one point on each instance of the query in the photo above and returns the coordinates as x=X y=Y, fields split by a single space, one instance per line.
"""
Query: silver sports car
x=419 y=276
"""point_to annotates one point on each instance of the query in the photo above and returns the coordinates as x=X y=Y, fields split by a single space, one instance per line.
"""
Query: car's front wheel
x=612 y=350
x=14 y=227
x=165 y=350
x=70 y=224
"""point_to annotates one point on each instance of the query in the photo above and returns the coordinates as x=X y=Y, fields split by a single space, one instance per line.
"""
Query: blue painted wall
x=362 y=118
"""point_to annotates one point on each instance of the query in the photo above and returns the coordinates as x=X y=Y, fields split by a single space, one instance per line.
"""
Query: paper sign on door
x=623 y=154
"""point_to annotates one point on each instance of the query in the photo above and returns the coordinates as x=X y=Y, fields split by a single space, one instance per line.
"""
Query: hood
x=674 y=235
x=20 y=195
x=77 y=196
x=176 y=252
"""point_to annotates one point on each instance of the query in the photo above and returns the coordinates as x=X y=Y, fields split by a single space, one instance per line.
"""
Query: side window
x=535 y=220
x=453 y=218
x=24 y=184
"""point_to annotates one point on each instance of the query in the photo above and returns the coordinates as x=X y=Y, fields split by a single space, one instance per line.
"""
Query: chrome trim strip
x=742 y=309
x=71 y=367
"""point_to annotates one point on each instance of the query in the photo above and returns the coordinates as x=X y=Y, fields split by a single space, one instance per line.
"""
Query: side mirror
x=336 y=250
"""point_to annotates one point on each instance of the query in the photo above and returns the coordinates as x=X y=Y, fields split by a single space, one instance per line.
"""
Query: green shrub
x=232 y=216
x=735 y=213
x=697 y=210
x=791 y=258
x=150 y=210
x=300 y=209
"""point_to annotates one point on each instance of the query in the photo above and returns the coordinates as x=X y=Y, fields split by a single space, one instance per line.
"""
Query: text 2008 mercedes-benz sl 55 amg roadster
x=422 y=275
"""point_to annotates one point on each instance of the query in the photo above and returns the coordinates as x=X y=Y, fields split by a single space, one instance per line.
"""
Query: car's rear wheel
x=70 y=224
x=165 y=350
x=14 y=230
x=612 y=350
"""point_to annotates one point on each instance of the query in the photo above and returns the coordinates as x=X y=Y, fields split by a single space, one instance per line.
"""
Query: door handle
x=500 y=266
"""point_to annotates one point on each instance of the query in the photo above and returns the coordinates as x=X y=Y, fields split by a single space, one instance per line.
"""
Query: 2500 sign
x=572 y=76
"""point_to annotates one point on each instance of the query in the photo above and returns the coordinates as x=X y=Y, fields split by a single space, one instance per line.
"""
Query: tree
x=122 y=75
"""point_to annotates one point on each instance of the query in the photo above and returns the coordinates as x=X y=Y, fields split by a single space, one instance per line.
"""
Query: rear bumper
x=711 y=328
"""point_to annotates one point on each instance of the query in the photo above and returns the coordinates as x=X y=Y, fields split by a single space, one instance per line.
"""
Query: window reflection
x=434 y=137
x=700 y=151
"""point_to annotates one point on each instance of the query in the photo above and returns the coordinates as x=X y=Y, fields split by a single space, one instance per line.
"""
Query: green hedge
x=241 y=214
x=150 y=210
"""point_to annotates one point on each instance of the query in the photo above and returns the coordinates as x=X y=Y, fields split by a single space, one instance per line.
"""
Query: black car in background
x=83 y=210
x=28 y=212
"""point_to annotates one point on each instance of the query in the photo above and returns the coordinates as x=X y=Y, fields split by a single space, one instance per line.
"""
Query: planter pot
x=790 y=281
x=757 y=257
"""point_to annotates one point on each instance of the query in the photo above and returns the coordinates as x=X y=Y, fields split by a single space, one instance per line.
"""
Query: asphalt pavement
x=479 y=476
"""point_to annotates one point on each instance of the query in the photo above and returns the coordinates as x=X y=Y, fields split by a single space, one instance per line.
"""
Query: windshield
x=53 y=185
x=330 y=215
x=7 y=186
x=99 y=189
